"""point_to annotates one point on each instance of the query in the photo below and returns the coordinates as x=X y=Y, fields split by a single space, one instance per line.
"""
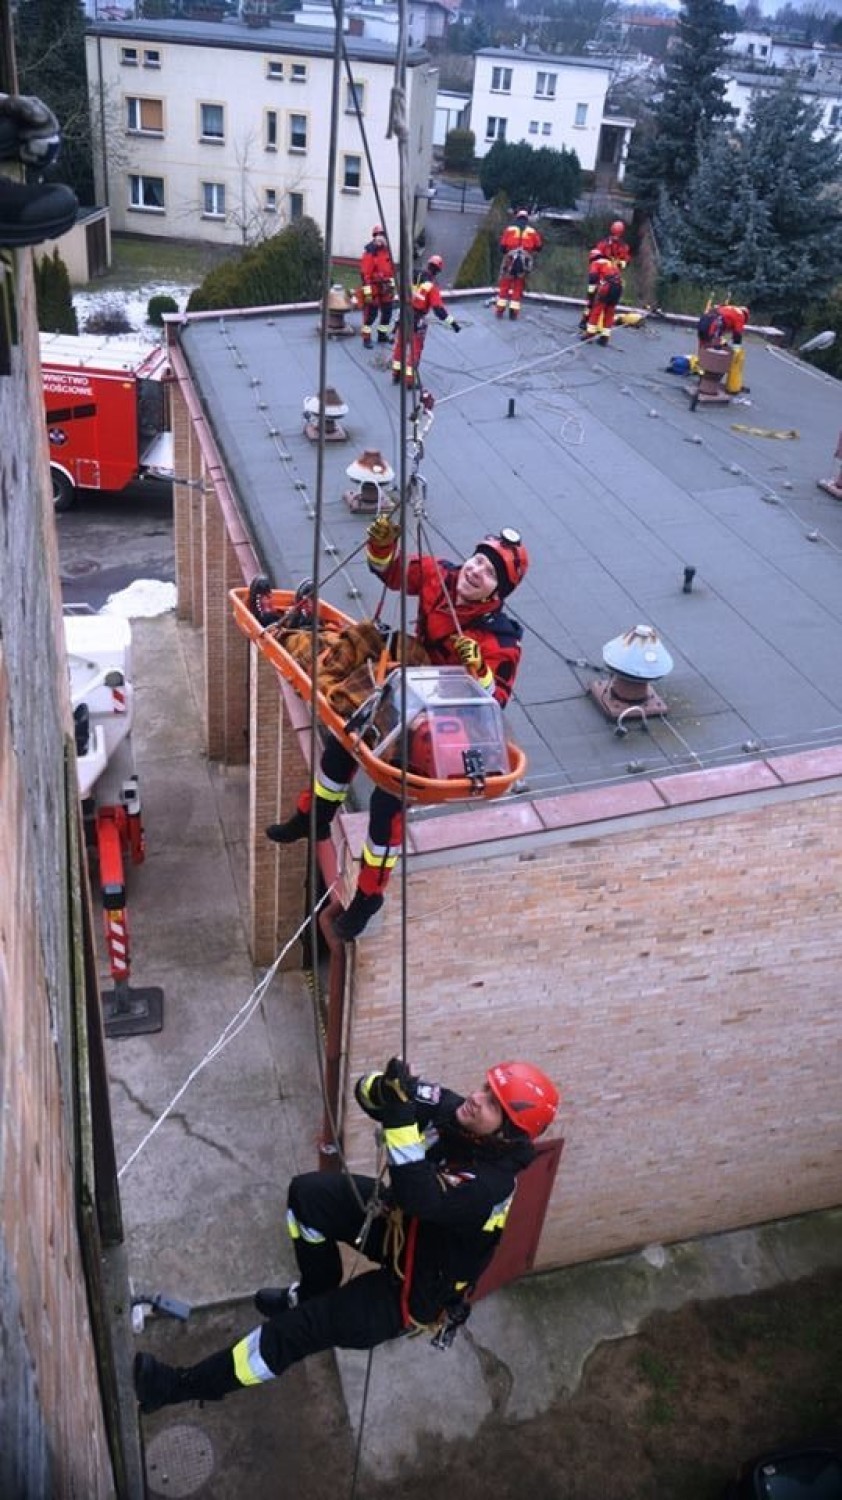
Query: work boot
x=384 y=335
x=157 y=1384
x=272 y=1301
x=602 y=339
x=349 y=924
x=298 y=827
x=32 y=213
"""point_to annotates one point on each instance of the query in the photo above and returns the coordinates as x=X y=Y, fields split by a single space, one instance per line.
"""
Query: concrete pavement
x=203 y=1199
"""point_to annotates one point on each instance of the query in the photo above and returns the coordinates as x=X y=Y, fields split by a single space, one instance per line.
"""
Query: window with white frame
x=270 y=200
x=146 y=193
x=298 y=132
x=533 y=127
x=151 y=57
x=501 y=80
x=545 y=85
x=352 y=173
x=212 y=122
x=128 y=57
x=274 y=67
x=495 y=128
x=581 y=116
x=298 y=72
x=354 y=91
x=145 y=116
x=270 y=130
x=213 y=200
x=296 y=206
x=546 y=128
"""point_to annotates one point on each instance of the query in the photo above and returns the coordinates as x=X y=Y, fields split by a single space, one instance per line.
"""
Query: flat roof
x=272 y=37
x=617 y=487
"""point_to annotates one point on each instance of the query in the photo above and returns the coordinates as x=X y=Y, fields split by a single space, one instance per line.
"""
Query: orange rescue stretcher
x=457 y=748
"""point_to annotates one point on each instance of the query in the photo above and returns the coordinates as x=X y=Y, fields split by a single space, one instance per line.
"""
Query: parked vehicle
x=813 y=1472
x=107 y=413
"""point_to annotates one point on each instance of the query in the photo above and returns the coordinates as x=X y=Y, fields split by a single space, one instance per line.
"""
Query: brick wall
x=52 y=1438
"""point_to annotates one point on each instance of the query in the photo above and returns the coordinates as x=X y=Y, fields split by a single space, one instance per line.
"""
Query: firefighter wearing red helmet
x=377 y=288
x=520 y=243
x=453 y=1163
x=615 y=245
x=425 y=298
x=460 y=621
x=723 y=323
x=605 y=289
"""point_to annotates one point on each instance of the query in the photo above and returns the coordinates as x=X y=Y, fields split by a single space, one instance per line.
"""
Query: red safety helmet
x=526 y=1096
x=617 y=229
x=435 y=263
x=377 y=229
x=508 y=557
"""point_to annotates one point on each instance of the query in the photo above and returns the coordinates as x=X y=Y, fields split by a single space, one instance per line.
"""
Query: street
x=107 y=540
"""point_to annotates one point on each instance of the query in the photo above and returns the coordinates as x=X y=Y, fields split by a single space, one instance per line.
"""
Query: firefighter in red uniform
x=602 y=307
x=453 y=1167
x=426 y=298
x=720 y=324
x=614 y=246
x=377 y=274
x=460 y=620
x=520 y=244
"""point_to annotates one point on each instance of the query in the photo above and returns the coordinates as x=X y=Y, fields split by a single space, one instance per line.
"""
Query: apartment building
x=220 y=131
x=547 y=100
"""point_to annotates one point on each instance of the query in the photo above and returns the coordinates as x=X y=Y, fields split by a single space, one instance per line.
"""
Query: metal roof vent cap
x=371 y=475
x=636 y=659
x=334 y=408
x=339 y=302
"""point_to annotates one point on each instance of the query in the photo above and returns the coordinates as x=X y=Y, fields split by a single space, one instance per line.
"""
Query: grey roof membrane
x=616 y=486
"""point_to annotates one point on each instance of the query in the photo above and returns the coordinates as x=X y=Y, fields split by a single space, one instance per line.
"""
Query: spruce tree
x=691 y=107
x=50 y=47
x=53 y=295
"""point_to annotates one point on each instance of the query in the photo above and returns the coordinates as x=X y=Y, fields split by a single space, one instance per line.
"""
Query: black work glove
x=389 y=1097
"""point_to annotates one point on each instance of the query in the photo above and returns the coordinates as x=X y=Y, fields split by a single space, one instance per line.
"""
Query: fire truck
x=107 y=413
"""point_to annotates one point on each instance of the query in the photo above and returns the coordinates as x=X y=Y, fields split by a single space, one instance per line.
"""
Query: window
x=546 y=128
x=298 y=72
x=270 y=200
x=495 y=128
x=146 y=193
x=501 y=80
x=835 y=116
x=274 y=67
x=352 y=91
x=352 y=173
x=212 y=122
x=533 y=127
x=298 y=132
x=270 y=130
x=296 y=206
x=581 y=117
x=128 y=57
x=151 y=57
x=145 y=115
x=213 y=200
x=545 y=85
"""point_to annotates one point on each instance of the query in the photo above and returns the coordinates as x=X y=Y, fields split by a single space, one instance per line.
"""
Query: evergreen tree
x=50 y=47
x=530 y=177
x=760 y=220
x=691 y=107
x=286 y=268
x=53 y=296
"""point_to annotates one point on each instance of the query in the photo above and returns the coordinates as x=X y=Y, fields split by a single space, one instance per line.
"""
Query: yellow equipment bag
x=734 y=378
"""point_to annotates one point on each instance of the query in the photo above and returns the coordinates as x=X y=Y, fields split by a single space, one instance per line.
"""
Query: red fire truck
x=107 y=413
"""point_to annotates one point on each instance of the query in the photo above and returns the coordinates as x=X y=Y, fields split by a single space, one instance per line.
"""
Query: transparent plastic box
x=455 y=727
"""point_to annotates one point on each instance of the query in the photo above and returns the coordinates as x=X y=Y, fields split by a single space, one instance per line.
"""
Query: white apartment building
x=547 y=100
x=743 y=87
x=220 y=131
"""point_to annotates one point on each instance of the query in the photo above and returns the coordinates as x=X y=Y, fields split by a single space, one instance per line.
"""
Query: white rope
x=229 y=1032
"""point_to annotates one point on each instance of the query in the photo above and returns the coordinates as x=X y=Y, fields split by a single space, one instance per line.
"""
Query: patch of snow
x=143 y=599
x=133 y=302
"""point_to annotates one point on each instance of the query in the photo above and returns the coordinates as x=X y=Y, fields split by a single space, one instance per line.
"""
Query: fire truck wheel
x=64 y=492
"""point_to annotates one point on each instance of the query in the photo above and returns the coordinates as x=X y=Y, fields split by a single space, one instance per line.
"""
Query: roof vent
x=372 y=475
x=339 y=302
x=636 y=660
x=334 y=408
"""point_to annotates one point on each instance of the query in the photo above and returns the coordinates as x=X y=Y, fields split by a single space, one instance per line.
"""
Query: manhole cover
x=179 y=1461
